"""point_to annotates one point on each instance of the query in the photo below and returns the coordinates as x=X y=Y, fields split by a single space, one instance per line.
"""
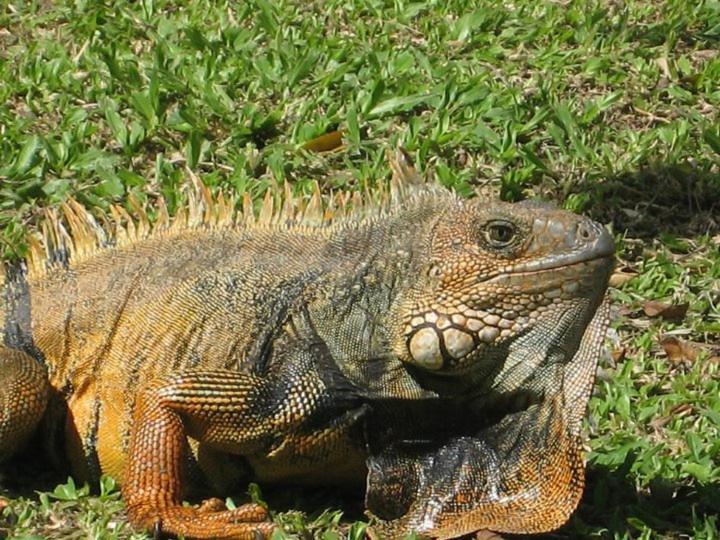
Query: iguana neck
x=356 y=313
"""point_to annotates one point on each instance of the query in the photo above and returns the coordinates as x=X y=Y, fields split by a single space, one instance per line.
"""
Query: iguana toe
x=247 y=522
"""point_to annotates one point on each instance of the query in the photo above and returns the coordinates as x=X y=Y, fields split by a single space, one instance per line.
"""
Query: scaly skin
x=444 y=348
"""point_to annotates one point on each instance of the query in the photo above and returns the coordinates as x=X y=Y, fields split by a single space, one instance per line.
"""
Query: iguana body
x=447 y=345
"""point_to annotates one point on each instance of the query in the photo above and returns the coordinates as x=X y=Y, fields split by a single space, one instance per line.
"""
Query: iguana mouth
x=603 y=247
x=564 y=264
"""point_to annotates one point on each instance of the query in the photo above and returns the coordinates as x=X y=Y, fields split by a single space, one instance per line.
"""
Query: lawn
x=611 y=108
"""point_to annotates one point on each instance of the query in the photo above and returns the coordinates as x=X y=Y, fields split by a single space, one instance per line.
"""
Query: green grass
x=610 y=108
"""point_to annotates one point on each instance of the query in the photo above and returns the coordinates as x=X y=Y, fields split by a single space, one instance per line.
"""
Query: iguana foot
x=158 y=454
x=211 y=519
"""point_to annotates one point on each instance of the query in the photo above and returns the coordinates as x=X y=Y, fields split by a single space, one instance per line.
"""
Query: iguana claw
x=247 y=522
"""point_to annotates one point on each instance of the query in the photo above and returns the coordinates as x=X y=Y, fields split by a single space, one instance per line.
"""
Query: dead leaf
x=664 y=66
x=704 y=54
x=325 y=143
x=681 y=409
x=677 y=411
x=679 y=351
x=667 y=312
x=621 y=276
x=618 y=355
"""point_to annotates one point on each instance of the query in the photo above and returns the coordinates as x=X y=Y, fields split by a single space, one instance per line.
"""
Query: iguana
x=442 y=348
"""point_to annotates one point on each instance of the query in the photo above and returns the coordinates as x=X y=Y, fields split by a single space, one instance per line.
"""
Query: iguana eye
x=499 y=233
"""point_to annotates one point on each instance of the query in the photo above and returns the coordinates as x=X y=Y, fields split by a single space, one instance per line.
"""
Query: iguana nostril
x=604 y=244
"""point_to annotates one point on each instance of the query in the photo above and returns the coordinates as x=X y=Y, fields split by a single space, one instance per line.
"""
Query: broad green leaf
x=398 y=104
x=26 y=157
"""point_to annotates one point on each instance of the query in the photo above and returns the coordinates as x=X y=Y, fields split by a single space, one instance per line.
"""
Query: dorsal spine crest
x=73 y=234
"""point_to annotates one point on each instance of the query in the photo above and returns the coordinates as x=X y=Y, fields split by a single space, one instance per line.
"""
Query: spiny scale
x=76 y=233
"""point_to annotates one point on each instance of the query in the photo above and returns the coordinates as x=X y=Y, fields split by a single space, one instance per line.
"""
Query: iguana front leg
x=524 y=475
x=24 y=391
x=226 y=409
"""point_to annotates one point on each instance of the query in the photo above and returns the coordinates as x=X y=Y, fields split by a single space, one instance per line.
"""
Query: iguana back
x=191 y=293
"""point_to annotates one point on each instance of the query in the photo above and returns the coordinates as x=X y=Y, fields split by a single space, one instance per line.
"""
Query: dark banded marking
x=115 y=323
x=17 y=332
x=92 y=460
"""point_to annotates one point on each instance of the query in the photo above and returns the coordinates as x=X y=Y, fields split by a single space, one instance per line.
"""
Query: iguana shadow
x=663 y=198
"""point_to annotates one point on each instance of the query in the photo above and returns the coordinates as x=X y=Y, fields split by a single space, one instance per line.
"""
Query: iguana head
x=497 y=273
